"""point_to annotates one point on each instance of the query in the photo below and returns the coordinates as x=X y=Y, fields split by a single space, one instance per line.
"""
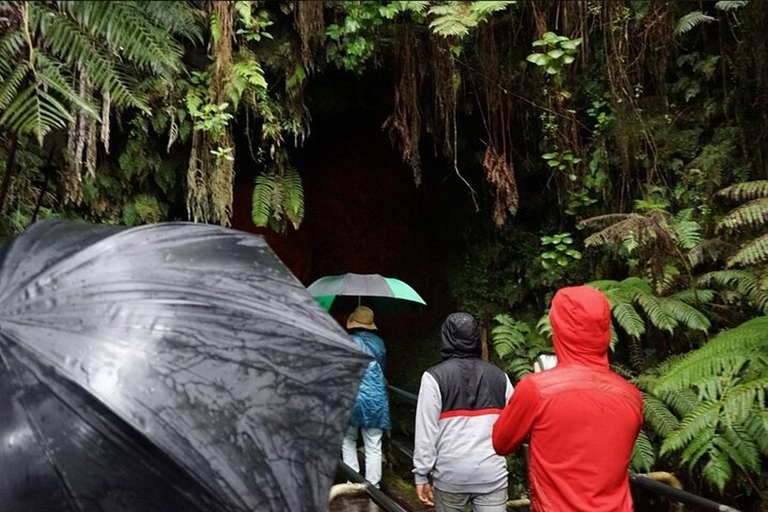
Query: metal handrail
x=376 y=495
x=650 y=482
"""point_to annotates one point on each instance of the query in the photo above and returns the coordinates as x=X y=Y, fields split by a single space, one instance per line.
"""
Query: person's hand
x=424 y=493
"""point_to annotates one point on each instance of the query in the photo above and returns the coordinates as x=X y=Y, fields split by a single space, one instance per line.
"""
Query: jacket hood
x=461 y=336
x=581 y=326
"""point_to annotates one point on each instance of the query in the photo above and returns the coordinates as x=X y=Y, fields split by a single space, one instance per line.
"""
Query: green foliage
x=692 y=20
x=754 y=213
x=749 y=285
x=246 y=77
x=723 y=429
x=643 y=454
x=57 y=40
x=144 y=209
x=278 y=199
x=517 y=345
x=745 y=191
x=560 y=253
x=731 y=5
x=664 y=313
x=559 y=52
x=456 y=19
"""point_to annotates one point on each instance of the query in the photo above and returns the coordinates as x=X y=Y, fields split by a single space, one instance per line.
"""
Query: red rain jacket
x=581 y=417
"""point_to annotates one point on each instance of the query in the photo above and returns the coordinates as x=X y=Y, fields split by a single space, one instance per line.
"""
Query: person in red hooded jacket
x=582 y=419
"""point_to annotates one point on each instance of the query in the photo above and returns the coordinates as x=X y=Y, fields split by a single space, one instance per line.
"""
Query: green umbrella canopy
x=327 y=288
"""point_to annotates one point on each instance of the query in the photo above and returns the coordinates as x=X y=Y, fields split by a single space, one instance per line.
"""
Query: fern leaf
x=742 y=400
x=12 y=83
x=658 y=416
x=687 y=230
x=629 y=320
x=753 y=253
x=744 y=191
x=490 y=7
x=125 y=25
x=685 y=314
x=695 y=296
x=712 y=250
x=657 y=313
x=740 y=448
x=731 y=5
x=756 y=430
x=179 y=18
x=701 y=421
x=643 y=454
x=544 y=327
x=725 y=354
x=509 y=336
x=294 y=197
x=691 y=20
x=718 y=470
x=261 y=204
x=74 y=45
x=747 y=284
x=751 y=214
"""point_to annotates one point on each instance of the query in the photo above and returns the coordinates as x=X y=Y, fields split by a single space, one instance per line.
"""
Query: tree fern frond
x=490 y=7
x=656 y=312
x=712 y=250
x=731 y=5
x=74 y=45
x=11 y=45
x=261 y=203
x=756 y=430
x=687 y=230
x=753 y=253
x=752 y=214
x=658 y=416
x=702 y=420
x=509 y=335
x=724 y=354
x=695 y=296
x=698 y=448
x=691 y=20
x=629 y=320
x=179 y=18
x=685 y=314
x=50 y=74
x=35 y=112
x=294 y=197
x=126 y=26
x=741 y=400
x=740 y=448
x=746 y=282
x=744 y=191
x=643 y=454
x=12 y=83
x=718 y=469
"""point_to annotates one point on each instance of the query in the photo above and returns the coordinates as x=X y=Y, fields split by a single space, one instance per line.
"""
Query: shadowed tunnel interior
x=364 y=213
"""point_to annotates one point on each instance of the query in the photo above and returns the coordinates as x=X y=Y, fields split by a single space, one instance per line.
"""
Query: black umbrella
x=165 y=368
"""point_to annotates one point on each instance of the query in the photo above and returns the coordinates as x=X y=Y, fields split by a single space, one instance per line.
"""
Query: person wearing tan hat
x=370 y=414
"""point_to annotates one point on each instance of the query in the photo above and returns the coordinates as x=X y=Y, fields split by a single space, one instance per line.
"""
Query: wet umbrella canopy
x=167 y=368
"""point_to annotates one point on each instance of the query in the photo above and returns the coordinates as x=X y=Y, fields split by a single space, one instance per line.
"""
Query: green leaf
x=540 y=59
x=573 y=253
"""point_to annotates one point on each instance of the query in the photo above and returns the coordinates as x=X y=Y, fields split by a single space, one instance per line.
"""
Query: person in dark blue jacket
x=370 y=414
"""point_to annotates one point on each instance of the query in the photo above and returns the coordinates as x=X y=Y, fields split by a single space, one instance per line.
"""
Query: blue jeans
x=495 y=501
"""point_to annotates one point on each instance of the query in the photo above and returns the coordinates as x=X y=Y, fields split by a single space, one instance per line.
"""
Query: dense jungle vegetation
x=615 y=143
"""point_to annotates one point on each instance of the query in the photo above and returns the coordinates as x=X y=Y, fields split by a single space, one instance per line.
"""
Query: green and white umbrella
x=327 y=288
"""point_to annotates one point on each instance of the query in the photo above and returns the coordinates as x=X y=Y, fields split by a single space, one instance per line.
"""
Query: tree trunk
x=8 y=170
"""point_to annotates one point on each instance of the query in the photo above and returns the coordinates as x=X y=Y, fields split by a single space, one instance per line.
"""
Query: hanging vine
x=405 y=123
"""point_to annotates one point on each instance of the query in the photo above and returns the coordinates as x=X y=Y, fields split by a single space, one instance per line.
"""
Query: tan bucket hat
x=361 y=317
